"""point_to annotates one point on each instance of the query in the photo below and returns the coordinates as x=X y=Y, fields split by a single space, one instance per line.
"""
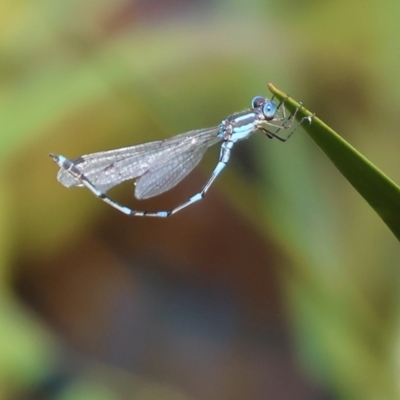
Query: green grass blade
x=381 y=193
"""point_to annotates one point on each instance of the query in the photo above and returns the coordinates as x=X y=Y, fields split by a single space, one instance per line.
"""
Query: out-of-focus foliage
x=83 y=76
x=382 y=194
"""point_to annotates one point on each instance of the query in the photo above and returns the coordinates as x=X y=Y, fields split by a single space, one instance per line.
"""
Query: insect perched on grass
x=160 y=165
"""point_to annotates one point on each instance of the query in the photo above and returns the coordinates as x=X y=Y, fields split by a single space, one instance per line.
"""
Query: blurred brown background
x=281 y=284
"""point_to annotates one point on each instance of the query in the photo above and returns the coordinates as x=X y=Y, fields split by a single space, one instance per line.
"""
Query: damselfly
x=160 y=165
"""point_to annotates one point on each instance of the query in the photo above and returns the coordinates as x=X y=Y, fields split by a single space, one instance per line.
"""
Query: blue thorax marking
x=238 y=126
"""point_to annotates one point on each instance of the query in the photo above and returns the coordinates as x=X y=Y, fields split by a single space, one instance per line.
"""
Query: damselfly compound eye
x=257 y=101
x=269 y=110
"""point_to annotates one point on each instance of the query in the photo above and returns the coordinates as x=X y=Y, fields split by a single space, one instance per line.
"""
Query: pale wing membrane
x=100 y=167
x=109 y=168
x=164 y=176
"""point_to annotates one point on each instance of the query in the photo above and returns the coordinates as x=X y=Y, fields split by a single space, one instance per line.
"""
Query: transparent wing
x=164 y=176
x=107 y=169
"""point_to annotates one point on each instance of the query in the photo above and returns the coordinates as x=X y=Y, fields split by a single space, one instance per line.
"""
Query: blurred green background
x=281 y=284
